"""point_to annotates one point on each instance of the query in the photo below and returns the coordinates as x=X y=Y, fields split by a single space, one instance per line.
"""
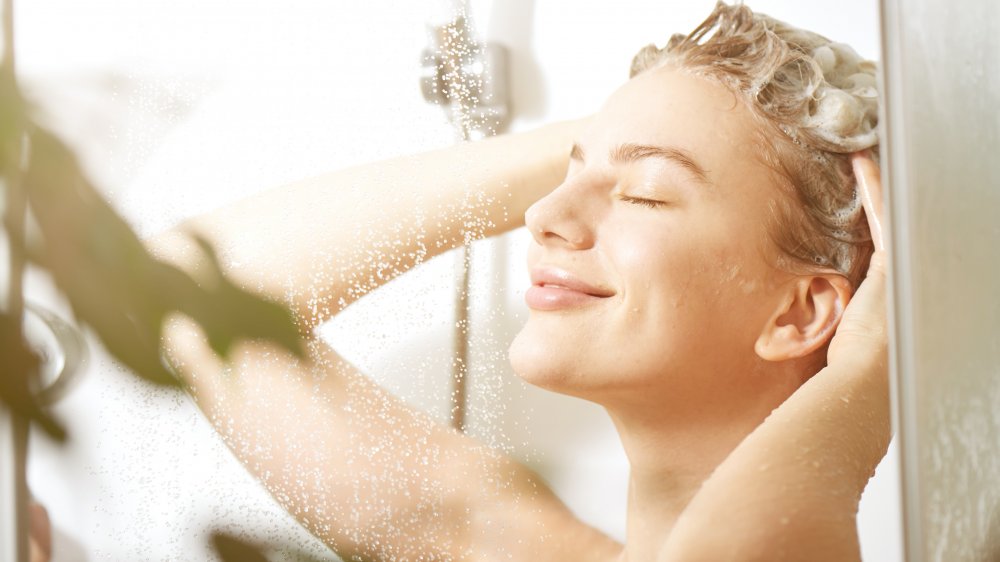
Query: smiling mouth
x=597 y=294
x=555 y=288
x=551 y=297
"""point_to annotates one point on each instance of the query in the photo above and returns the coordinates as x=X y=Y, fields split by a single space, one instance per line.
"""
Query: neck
x=671 y=452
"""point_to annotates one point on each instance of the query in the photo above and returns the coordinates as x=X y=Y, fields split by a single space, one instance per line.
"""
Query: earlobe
x=805 y=319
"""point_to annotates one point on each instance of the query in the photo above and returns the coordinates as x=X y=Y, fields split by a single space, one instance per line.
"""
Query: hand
x=861 y=340
x=857 y=359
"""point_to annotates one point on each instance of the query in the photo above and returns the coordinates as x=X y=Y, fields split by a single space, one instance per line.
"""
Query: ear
x=806 y=317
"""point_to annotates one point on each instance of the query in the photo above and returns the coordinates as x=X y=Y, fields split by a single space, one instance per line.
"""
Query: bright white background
x=179 y=106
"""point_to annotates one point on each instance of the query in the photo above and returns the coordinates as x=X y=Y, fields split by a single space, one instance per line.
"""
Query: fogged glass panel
x=178 y=108
x=944 y=134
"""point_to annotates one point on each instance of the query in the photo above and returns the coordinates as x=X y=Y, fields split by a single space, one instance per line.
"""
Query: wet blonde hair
x=817 y=103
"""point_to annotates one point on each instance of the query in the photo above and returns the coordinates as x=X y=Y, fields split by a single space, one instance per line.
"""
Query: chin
x=536 y=362
x=554 y=365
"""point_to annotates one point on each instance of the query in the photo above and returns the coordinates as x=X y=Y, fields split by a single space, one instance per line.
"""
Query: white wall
x=179 y=106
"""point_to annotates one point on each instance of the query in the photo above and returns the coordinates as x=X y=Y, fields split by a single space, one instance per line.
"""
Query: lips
x=553 y=288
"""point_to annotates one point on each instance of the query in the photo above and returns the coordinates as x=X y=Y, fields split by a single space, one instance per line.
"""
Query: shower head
x=467 y=78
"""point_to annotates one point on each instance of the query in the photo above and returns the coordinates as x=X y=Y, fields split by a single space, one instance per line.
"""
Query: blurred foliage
x=113 y=284
x=15 y=390
x=233 y=549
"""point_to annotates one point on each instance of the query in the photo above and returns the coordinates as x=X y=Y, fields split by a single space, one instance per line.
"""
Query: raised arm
x=320 y=244
x=364 y=472
x=790 y=490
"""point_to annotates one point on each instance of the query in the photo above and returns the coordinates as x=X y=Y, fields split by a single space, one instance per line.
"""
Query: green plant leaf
x=117 y=287
x=20 y=364
x=11 y=118
x=228 y=313
x=232 y=549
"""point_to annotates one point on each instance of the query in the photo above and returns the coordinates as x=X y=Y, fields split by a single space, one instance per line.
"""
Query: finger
x=866 y=172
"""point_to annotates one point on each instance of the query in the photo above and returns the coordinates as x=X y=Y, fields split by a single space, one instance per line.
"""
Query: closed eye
x=651 y=203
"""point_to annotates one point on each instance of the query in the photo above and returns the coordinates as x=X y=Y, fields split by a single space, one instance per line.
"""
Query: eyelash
x=651 y=203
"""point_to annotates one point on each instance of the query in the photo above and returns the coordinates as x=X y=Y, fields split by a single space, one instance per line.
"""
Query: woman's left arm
x=791 y=489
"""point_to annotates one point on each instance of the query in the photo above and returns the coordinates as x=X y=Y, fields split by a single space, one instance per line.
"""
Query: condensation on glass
x=942 y=61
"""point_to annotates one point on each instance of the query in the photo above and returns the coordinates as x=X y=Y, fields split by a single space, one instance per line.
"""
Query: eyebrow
x=630 y=152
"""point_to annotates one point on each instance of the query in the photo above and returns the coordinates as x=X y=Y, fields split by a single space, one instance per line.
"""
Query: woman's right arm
x=320 y=244
x=363 y=471
x=791 y=489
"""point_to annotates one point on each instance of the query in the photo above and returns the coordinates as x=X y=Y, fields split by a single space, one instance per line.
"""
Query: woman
x=699 y=271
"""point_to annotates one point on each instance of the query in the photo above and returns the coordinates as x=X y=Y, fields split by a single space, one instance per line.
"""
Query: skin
x=679 y=252
x=790 y=489
x=699 y=349
x=682 y=388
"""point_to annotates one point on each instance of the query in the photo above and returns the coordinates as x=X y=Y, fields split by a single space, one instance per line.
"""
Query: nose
x=560 y=219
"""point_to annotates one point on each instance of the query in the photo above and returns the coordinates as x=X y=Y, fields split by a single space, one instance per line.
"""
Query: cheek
x=561 y=354
x=658 y=269
x=734 y=282
x=666 y=302
x=687 y=291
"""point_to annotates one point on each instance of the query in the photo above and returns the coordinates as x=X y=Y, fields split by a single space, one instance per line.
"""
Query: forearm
x=333 y=449
x=322 y=243
x=364 y=472
x=355 y=465
x=790 y=490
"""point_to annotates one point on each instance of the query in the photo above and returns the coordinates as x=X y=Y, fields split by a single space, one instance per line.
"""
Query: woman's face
x=651 y=265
